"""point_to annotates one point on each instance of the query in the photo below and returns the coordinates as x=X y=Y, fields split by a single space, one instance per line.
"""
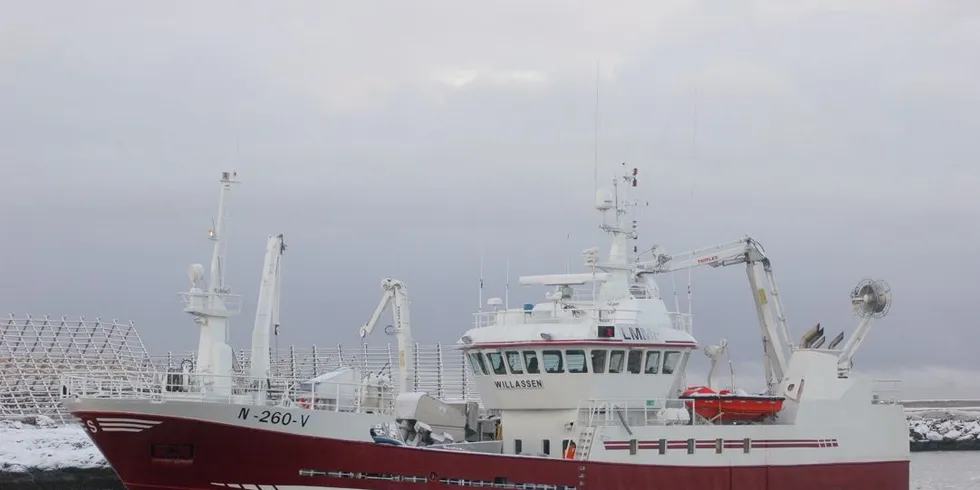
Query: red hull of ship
x=232 y=455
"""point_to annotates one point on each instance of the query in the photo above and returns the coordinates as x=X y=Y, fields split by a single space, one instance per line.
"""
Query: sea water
x=946 y=470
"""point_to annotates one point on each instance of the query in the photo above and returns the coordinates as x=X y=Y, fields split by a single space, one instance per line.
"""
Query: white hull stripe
x=246 y=486
x=128 y=420
x=117 y=424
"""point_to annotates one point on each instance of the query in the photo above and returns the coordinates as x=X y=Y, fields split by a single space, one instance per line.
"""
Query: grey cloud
x=843 y=140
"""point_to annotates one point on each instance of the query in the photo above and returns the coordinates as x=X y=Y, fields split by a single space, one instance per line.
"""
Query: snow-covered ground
x=41 y=444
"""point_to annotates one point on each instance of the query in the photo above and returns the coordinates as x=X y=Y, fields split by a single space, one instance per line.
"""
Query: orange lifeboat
x=727 y=406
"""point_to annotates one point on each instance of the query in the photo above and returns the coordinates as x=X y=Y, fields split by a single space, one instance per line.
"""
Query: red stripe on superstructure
x=726 y=444
x=559 y=343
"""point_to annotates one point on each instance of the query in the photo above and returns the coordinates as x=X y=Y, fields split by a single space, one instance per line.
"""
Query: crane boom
x=395 y=294
x=266 y=312
x=775 y=333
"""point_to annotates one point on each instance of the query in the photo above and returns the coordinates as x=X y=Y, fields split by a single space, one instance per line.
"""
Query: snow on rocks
x=944 y=430
x=39 y=443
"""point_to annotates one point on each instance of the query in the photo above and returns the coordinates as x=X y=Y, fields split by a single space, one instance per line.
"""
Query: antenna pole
x=690 y=294
x=507 y=286
x=480 y=296
x=595 y=143
x=673 y=286
x=694 y=142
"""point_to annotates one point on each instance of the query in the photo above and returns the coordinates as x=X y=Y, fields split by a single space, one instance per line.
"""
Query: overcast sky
x=407 y=139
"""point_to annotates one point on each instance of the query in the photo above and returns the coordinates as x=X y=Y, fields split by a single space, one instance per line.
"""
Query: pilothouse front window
x=670 y=361
x=514 y=362
x=476 y=360
x=576 y=361
x=598 y=361
x=531 y=359
x=653 y=362
x=552 y=361
x=634 y=361
x=496 y=362
x=616 y=361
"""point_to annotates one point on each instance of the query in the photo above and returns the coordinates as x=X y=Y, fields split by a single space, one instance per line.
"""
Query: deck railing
x=636 y=412
x=236 y=389
x=886 y=391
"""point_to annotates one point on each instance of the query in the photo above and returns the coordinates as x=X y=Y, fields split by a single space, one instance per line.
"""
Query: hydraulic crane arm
x=368 y=327
x=775 y=334
x=267 y=311
x=396 y=294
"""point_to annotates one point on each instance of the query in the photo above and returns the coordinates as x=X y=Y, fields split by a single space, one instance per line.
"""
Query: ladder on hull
x=584 y=444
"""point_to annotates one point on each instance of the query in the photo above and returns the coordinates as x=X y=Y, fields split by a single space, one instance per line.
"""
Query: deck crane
x=870 y=300
x=396 y=294
x=266 y=314
x=775 y=334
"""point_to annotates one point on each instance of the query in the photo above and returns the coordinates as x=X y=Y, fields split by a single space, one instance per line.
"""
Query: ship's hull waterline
x=170 y=452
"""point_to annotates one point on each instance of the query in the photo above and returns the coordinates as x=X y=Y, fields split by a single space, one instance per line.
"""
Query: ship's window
x=616 y=361
x=531 y=359
x=475 y=362
x=518 y=446
x=576 y=361
x=172 y=452
x=653 y=362
x=496 y=362
x=546 y=446
x=634 y=363
x=478 y=366
x=598 y=361
x=552 y=361
x=514 y=361
x=670 y=361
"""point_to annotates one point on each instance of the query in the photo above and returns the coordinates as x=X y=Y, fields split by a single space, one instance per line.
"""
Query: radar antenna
x=870 y=299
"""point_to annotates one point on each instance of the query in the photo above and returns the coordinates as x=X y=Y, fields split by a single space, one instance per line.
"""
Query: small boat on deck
x=728 y=406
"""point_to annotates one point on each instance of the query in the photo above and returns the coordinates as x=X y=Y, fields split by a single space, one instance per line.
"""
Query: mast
x=212 y=305
x=621 y=257
x=217 y=235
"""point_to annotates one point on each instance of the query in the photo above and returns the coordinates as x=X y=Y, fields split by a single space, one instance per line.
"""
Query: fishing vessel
x=583 y=389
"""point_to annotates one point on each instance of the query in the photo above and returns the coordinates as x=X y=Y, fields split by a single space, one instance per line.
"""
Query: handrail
x=629 y=412
x=280 y=392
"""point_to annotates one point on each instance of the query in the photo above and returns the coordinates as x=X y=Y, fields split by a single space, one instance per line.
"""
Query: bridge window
x=496 y=362
x=514 y=361
x=576 y=361
x=670 y=361
x=653 y=362
x=616 y=361
x=476 y=361
x=634 y=363
x=552 y=361
x=531 y=359
x=598 y=361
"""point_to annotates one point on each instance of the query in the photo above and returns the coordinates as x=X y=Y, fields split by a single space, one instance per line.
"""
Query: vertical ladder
x=584 y=444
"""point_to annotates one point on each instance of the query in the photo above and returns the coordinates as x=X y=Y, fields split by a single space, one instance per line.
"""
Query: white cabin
x=536 y=364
